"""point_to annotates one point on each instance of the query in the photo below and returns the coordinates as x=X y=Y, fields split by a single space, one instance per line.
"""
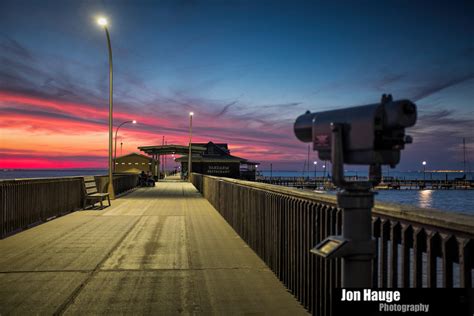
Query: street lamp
x=115 y=146
x=191 y=114
x=110 y=188
x=424 y=169
x=102 y=21
x=315 y=163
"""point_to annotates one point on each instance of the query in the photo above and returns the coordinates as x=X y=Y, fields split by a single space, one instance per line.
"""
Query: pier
x=216 y=245
x=236 y=158
x=386 y=184
x=160 y=250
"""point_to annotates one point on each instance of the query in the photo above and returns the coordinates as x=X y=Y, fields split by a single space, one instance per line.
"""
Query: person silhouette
x=142 y=179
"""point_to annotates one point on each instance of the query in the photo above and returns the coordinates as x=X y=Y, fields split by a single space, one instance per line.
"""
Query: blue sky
x=247 y=68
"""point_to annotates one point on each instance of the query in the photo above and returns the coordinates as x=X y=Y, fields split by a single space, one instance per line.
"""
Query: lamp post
x=190 y=139
x=424 y=170
x=115 y=145
x=315 y=163
x=110 y=188
x=174 y=163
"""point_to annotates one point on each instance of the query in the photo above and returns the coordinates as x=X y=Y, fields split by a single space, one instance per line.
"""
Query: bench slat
x=89 y=178
x=90 y=185
x=98 y=195
x=91 y=191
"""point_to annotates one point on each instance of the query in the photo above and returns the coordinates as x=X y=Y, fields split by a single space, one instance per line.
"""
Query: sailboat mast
x=308 y=161
x=464 y=153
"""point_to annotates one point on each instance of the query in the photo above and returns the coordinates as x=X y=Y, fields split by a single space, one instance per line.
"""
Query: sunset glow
x=245 y=73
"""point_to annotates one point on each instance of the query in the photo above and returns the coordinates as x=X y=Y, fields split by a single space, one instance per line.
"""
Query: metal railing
x=28 y=202
x=415 y=247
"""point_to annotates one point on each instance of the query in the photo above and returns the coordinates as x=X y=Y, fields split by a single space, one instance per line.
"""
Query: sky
x=247 y=69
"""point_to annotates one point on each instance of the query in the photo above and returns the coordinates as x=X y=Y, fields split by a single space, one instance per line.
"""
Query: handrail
x=446 y=220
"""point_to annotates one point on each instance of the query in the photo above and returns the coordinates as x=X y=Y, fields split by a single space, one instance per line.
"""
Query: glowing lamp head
x=315 y=163
x=134 y=122
x=424 y=163
x=191 y=113
x=102 y=21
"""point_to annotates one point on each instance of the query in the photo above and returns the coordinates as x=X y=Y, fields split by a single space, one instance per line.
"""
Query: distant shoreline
x=51 y=169
x=262 y=170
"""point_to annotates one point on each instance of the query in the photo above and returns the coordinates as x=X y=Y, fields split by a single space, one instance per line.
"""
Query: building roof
x=228 y=158
x=202 y=152
x=134 y=154
x=213 y=149
x=171 y=149
x=250 y=163
x=215 y=153
x=220 y=146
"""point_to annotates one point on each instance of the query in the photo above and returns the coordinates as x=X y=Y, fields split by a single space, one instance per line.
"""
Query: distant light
x=315 y=163
x=424 y=163
x=134 y=122
x=102 y=21
x=191 y=113
x=324 y=166
x=256 y=166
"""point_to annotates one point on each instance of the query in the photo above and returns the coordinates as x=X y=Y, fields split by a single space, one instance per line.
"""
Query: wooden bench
x=91 y=193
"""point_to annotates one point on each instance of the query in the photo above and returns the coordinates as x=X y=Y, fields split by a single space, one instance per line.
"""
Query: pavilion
x=157 y=151
x=207 y=158
x=216 y=160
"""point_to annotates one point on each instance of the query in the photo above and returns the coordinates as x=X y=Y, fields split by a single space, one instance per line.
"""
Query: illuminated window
x=136 y=163
x=123 y=163
x=129 y=163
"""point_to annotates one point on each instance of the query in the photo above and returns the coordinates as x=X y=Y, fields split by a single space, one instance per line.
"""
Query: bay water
x=460 y=201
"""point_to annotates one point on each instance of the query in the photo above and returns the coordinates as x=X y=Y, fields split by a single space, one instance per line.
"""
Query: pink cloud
x=52 y=122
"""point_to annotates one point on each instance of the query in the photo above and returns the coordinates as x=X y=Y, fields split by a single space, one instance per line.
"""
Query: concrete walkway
x=162 y=250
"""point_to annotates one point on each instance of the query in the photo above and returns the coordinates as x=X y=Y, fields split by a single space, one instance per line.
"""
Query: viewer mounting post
x=370 y=135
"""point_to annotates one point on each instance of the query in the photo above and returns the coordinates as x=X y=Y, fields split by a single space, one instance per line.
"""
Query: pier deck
x=161 y=250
